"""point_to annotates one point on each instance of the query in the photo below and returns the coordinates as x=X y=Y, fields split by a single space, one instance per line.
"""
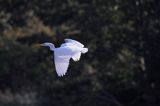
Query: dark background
x=122 y=66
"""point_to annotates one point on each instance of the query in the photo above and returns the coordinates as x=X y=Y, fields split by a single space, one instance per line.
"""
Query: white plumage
x=63 y=54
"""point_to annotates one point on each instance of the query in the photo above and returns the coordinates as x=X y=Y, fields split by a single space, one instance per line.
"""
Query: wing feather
x=74 y=42
x=61 y=64
x=76 y=57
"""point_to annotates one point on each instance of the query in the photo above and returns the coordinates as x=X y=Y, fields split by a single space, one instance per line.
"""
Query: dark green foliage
x=121 y=67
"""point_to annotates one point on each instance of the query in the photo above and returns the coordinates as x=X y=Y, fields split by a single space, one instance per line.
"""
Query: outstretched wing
x=61 y=64
x=74 y=42
x=76 y=57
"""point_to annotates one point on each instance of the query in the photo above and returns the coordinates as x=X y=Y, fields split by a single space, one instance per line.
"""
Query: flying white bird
x=63 y=54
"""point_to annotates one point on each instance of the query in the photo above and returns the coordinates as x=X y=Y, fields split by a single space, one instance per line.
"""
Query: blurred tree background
x=122 y=66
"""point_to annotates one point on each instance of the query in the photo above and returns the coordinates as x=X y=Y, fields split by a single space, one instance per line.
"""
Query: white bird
x=63 y=54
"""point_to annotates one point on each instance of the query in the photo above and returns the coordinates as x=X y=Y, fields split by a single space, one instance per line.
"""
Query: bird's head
x=50 y=45
x=42 y=44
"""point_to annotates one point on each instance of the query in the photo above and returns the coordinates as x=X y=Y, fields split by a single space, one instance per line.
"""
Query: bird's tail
x=84 y=50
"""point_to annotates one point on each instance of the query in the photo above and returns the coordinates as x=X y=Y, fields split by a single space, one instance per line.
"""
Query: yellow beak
x=38 y=45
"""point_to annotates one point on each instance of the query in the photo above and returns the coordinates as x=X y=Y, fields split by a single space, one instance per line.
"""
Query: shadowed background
x=121 y=67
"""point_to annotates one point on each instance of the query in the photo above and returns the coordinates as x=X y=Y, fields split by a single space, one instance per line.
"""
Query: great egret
x=63 y=54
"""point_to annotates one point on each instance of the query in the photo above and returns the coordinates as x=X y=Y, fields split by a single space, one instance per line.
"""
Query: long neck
x=50 y=45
